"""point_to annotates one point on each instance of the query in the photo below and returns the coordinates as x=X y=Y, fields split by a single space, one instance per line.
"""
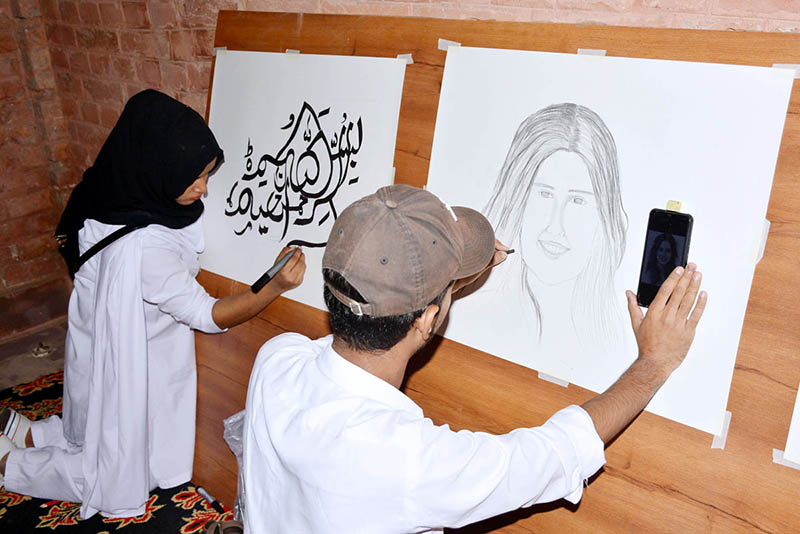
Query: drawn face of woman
x=560 y=219
x=664 y=253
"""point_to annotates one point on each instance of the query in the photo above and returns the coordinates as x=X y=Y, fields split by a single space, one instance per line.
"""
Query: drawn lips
x=552 y=249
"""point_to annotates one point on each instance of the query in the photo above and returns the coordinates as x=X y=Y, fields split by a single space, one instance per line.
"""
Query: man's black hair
x=362 y=332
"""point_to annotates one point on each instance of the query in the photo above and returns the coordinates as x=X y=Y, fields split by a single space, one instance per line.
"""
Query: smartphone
x=666 y=246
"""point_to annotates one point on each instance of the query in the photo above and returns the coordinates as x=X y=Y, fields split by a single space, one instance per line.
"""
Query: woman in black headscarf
x=131 y=234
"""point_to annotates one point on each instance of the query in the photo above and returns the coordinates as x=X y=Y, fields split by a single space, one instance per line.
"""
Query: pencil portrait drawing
x=557 y=201
x=567 y=154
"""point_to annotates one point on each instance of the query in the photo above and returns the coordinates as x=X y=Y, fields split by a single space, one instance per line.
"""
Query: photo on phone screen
x=666 y=247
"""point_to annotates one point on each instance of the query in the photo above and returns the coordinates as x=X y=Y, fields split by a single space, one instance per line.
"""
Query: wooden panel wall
x=661 y=476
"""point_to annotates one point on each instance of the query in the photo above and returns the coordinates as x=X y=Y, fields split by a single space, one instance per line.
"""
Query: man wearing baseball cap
x=333 y=445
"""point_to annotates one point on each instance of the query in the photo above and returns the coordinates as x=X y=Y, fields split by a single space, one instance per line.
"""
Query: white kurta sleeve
x=168 y=284
x=469 y=476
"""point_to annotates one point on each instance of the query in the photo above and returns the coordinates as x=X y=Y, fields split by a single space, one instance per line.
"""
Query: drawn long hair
x=579 y=130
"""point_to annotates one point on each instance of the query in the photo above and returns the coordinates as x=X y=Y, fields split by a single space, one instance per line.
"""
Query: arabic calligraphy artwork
x=573 y=153
x=304 y=136
x=300 y=181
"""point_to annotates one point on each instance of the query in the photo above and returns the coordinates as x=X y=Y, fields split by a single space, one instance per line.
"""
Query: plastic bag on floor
x=234 y=437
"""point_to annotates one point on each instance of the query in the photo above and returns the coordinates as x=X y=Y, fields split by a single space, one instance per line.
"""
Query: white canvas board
x=792 y=452
x=304 y=136
x=707 y=135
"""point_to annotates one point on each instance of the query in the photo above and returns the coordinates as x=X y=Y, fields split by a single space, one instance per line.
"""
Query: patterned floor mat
x=179 y=509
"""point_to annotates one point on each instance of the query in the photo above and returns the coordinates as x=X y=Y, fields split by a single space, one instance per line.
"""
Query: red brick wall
x=66 y=69
x=89 y=56
x=32 y=148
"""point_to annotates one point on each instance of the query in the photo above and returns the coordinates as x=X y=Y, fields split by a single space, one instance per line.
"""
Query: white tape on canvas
x=591 y=52
x=763 y=244
x=791 y=66
x=719 y=441
x=554 y=380
x=777 y=457
x=444 y=44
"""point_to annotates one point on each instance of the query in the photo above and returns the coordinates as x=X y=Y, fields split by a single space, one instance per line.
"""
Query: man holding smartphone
x=332 y=445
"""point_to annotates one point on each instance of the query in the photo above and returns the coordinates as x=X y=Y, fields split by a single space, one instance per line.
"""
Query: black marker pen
x=272 y=271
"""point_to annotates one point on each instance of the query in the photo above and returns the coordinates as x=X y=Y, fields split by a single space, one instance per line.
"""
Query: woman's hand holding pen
x=236 y=309
x=291 y=275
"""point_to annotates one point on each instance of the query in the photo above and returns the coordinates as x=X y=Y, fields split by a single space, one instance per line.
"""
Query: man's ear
x=425 y=322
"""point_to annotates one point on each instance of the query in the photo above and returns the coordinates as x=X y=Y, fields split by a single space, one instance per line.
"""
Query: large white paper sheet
x=304 y=136
x=792 y=452
x=649 y=131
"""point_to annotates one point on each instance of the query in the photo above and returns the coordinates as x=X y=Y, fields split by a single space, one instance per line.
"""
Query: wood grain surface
x=660 y=476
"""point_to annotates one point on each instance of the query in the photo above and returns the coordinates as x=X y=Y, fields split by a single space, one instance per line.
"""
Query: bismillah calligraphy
x=298 y=185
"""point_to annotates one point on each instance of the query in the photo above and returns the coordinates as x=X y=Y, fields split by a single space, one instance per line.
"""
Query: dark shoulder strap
x=107 y=240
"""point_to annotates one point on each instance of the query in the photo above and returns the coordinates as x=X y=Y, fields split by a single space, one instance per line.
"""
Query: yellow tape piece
x=673 y=205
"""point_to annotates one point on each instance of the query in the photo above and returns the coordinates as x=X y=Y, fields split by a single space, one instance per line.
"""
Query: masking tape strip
x=292 y=51
x=777 y=457
x=218 y=49
x=554 y=380
x=444 y=44
x=719 y=441
x=763 y=244
x=674 y=205
x=591 y=52
x=406 y=58
x=792 y=66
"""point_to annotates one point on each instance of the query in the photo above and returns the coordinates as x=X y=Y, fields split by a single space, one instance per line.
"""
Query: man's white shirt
x=329 y=447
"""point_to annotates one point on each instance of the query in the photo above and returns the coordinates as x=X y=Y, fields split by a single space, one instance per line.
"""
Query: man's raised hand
x=665 y=333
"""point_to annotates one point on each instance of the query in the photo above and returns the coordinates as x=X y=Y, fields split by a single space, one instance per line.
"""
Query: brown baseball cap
x=401 y=246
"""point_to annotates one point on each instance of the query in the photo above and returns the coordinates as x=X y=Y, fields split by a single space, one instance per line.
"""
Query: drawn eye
x=580 y=201
x=341 y=232
x=544 y=193
x=384 y=260
x=435 y=242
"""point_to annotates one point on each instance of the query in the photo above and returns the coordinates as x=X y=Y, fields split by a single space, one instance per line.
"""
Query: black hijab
x=157 y=149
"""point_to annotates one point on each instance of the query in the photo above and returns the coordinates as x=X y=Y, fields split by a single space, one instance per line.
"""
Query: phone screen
x=666 y=247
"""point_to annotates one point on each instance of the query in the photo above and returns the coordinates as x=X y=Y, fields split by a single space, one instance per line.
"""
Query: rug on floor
x=179 y=509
